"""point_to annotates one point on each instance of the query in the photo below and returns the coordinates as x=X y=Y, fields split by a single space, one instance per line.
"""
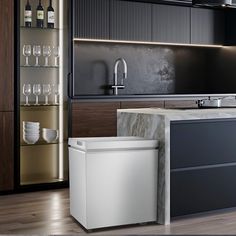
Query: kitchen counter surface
x=155 y=123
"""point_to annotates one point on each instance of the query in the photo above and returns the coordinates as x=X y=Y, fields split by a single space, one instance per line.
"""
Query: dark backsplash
x=152 y=69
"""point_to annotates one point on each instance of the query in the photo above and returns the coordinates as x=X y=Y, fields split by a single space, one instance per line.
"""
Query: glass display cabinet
x=42 y=69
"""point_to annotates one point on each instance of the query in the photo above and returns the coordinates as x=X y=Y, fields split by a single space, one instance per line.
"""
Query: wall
x=152 y=69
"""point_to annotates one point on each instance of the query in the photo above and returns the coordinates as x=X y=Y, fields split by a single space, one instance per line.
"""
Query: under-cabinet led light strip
x=144 y=42
x=61 y=72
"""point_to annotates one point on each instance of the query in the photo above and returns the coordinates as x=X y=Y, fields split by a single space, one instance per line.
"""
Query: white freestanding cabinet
x=113 y=181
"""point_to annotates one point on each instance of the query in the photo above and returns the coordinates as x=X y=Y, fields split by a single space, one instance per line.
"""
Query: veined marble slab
x=155 y=123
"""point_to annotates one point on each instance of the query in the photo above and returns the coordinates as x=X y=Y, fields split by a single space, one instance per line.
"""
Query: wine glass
x=27 y=92
x=46 y=54
x=56 y=53
x=56 y=88
x=37 y=53
x=37 y=92
x=46 y=92
x=27 y=53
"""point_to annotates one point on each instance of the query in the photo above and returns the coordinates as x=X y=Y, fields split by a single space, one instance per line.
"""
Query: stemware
x=46 y=54
x=37 y=92
x=27 y=92
x=27 y=53
x=56 y=53
x=37 y=53
x=46 y=92
x=56 y=89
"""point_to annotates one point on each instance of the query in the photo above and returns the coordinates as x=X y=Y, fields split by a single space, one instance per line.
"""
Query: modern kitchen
x=117 y=117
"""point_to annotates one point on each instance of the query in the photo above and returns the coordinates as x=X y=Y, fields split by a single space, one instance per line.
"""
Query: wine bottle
x=50 y=16
x=40 y=15
x=28 y=15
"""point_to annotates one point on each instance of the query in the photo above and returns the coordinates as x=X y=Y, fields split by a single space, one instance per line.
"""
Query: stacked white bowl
x=50 y=135
x=31 y=132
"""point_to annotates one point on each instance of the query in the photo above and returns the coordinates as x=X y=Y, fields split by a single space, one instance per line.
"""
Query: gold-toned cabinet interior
x=44 y=161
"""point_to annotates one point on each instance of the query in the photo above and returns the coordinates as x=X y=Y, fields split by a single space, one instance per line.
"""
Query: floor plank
x=47 y=212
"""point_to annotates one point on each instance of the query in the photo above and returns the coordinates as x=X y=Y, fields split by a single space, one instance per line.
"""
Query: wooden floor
x=47 y=212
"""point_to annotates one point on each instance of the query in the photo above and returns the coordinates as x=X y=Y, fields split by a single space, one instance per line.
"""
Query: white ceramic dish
x=50 y=135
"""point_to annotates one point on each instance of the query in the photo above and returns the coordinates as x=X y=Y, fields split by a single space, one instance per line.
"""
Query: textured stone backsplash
x=152 y=69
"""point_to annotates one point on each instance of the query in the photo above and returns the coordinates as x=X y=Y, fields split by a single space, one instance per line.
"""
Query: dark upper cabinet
x=91 y=19
x=130 y=21
x=230 y=27
x=7 y=55
x=171 y=24
x=207 y=26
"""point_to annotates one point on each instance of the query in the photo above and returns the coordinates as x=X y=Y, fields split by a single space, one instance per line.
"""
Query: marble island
x=156 y=123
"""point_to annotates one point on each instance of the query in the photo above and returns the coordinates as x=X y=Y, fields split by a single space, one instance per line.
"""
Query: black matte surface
x=202 y=190
x=130 y=21
x=202 y=142
x=151 y=69
x=171 y=24
x=207 y=26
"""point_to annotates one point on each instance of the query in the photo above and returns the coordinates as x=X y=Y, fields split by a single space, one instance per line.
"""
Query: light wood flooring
x=47 y=212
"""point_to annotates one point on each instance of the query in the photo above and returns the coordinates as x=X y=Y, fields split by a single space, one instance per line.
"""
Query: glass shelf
x=41 y=181
x=38 y=106
x=39 y=143
x=40 y=67
x=36 y=28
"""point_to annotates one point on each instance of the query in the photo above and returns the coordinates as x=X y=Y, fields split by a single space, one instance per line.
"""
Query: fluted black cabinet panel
x=171 y=24
x=91 y=18
x=230 y=27
x=207 y=26
x=130 y=21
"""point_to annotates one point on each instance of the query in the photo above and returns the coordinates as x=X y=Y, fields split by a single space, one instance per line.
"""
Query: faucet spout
x=125 y=75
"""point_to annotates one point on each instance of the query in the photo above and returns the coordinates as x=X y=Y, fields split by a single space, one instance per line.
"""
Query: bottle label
x=40 y=15
x=51 y=17
x=28 y=16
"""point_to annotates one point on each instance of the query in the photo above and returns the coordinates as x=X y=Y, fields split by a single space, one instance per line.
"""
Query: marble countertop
x=186 y=114
x=155 y=123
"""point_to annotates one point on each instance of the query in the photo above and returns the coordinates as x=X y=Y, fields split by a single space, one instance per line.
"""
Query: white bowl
x=29 y=123
x=31 y=139
x=50 y=135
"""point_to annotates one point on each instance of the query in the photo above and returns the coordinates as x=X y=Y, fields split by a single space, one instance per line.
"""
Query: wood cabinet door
x=181 y=104
x=97 y=119
x=91 y=19
x=7 y=55
x=7 y=151
x=171 y=24
x=141 y=104
x=207 y=26
x=130 y=21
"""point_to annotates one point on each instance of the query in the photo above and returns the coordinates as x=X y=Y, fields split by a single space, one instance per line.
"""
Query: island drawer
x=204 y=189
x=202 y=142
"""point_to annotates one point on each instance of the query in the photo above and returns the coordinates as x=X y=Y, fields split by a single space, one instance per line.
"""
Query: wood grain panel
x=127 y=105
x=181 y=104
x=48 y=213
x=7 y=151
x=7 y=55
x=94 y=119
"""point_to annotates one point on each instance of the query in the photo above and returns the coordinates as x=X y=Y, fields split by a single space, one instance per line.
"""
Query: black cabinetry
x=171 y=24
x=203 y=165
x=144 y=21
x=91 y=18
x=130 y=21
x=207 y=26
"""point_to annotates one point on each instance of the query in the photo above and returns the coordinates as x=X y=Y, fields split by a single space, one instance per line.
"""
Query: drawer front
x=202 y=142
x=202 y=190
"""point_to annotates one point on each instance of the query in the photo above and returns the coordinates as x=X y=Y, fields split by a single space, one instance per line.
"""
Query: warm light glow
x=145 y=42
x=61 y=126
